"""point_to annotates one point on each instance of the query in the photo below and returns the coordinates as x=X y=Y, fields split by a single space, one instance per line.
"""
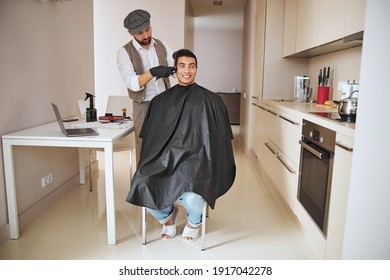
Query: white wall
x=219 y=54
x=368 y=224
x=168 y=24
x=46 y=56
x=248 y=69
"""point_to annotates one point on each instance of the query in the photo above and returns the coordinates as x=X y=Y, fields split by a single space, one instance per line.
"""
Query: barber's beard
x=145 y=42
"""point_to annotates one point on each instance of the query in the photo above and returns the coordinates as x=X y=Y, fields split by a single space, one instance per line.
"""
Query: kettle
x=348 y=107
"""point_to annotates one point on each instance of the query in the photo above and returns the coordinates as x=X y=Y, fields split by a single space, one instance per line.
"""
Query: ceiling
x=229 y=15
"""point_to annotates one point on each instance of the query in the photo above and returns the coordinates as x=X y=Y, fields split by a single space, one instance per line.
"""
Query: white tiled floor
x=249 y=222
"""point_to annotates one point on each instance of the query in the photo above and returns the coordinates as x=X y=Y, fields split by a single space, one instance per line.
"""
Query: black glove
x=162 y=71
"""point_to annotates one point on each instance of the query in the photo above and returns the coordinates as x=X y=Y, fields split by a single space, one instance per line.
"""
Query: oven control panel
x=319 y=134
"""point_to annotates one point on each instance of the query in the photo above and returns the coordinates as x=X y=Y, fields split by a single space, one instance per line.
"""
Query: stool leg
x=143 y=225
x=203 y=241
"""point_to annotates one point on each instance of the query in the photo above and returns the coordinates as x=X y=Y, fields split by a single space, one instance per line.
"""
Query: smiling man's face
x=186 y=70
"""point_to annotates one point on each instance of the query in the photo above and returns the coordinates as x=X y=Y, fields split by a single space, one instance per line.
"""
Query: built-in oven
x=315 y=171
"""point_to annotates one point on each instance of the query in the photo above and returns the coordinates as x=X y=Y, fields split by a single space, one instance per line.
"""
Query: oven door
x=314 y=182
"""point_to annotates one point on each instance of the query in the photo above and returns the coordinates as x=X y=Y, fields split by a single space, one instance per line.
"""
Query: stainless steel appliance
x=334 y=116
x=348 y=107
x=315 y=171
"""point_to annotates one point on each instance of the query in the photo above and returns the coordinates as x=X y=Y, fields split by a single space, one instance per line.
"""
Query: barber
x=141 y=63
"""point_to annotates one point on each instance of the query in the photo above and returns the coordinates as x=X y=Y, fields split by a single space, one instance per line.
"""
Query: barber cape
x=186 y=147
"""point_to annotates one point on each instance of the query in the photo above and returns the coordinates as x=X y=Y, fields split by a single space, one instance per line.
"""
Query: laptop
x=72 y=132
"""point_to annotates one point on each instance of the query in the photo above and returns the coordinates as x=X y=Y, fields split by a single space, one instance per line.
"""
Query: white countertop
x=302 y=110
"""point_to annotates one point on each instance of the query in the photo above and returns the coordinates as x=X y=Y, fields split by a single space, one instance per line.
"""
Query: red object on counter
x=111 y=118
x=322 y=95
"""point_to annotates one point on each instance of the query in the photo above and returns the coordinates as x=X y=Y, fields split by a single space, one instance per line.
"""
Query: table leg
x=110 y=199
x=82 y=166
x=11 y=190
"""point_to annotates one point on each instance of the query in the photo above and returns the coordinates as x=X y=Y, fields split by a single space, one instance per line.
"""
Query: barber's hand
x=162 y=71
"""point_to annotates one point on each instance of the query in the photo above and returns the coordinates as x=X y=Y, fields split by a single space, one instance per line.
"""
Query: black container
x=91 y=115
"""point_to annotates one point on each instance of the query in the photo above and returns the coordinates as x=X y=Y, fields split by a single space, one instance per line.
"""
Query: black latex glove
x=162 y=71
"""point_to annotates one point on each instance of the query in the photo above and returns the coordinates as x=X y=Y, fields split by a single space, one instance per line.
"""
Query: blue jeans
x=192 y=202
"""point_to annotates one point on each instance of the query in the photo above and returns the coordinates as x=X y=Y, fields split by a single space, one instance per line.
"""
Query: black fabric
x=186 y=147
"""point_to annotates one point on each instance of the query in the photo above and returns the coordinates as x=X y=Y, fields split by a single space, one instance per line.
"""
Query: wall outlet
x=48 y=179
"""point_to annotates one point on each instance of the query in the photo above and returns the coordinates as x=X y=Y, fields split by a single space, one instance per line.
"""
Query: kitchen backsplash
x=345 y=66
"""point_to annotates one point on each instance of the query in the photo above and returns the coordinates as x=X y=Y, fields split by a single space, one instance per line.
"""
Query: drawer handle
x=269 y=148
x=272 y=112
x=292 y=171
x=349 y=149
x=290 y=121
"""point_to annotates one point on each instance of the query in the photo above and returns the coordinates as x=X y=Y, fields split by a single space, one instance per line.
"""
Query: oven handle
x=310 y=149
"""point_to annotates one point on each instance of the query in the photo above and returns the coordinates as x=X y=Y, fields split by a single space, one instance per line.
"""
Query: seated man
x=187 y=153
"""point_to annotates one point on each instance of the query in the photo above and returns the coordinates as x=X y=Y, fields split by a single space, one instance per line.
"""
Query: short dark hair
x=183 y=52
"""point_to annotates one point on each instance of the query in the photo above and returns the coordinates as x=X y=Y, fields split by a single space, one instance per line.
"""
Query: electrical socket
x=48 y=179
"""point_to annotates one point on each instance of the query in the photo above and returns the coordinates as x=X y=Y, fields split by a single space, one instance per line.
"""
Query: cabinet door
x=290 y=27
x=354 y=16
x=263 y=125
x=306 y=20
x=288 y=134
x=339 y=197
x=329 y=21
x=256 y=127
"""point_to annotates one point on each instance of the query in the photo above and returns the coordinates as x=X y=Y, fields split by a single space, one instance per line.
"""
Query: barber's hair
x=183 y=52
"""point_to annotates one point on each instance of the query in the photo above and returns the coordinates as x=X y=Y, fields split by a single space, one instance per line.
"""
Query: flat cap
x=136 y=21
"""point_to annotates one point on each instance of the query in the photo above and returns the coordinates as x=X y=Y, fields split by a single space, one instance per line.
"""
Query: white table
x=49 y=135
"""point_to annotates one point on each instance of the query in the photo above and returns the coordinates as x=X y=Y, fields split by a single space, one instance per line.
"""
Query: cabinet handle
x=310 y=149
x=290 y=121
x=255 y=97
x=292 y=171
x=349 y=149
x=272 y=112
x=269 y=148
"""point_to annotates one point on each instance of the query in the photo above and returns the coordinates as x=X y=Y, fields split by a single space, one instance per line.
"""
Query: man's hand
x=162 y=71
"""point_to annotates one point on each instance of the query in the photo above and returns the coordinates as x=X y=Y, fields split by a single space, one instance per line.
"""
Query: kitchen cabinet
x=290 y=27
x=260 y=127
x=339 y=196
x=321 y=26
x=275 y=143
x=257 y=130
x=306 y=25
x=354 y=16
x=329 y=26
x=278 y=129
x=283 y=174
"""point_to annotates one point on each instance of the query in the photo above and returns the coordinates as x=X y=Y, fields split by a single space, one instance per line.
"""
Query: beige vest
x=135 y=58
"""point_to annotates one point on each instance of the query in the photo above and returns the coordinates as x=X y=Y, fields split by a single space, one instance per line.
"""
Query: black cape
x=186 y=146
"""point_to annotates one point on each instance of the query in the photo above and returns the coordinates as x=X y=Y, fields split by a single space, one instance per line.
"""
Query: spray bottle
x=90 y=114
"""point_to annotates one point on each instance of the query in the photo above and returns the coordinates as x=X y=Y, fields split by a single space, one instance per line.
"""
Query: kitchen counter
x=303 y=110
